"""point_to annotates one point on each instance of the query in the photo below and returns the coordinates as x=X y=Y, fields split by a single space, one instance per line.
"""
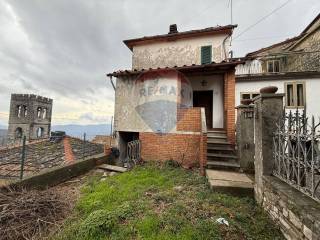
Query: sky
x=62 y=49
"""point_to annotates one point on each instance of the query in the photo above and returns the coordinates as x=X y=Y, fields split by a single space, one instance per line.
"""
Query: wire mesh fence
x=22 y=158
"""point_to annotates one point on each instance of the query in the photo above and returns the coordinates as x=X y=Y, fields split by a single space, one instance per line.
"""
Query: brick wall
x=188 y=147
x=189 y=119
x=183 y=148
x=229 y=105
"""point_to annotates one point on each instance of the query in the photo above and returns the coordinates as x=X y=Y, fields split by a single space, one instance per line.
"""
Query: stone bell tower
x=30 y=116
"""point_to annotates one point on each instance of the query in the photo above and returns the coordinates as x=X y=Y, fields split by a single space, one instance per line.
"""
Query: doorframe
x=205 y=90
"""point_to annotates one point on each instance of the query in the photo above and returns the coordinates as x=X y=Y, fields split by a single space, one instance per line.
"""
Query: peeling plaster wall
x=214 y=83
x=178 y=53
x=143 y=106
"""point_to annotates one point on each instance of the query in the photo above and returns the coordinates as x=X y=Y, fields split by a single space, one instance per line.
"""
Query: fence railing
x=296 y=152
x=133 y=153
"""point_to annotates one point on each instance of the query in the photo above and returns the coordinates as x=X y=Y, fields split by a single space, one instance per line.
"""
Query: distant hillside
x=3 y=136
x=79 y=130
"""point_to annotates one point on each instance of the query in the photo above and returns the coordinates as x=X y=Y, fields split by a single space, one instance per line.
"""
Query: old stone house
x=179 y=97
x=292 y=65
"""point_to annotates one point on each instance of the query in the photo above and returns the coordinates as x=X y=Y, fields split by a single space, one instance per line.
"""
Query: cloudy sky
x=62 y=49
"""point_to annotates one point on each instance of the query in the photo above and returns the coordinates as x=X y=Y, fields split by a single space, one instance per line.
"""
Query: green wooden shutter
x=206 y=54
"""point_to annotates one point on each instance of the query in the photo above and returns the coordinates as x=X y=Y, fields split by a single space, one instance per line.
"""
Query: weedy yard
x=163 y=202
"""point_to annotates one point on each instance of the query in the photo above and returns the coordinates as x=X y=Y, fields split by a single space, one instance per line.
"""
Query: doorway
x=204 y=99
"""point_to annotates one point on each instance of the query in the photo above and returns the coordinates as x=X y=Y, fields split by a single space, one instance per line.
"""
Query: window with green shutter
x=206 y=54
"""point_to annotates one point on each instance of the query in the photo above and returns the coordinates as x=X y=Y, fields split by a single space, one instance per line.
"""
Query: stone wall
x=296 y=214
x=245 y=137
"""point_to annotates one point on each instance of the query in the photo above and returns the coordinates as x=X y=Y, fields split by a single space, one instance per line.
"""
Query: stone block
x=285 y=212
x=295 y=220
x=307 y=232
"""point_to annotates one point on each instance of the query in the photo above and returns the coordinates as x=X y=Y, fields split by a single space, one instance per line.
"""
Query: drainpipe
x=114 y=88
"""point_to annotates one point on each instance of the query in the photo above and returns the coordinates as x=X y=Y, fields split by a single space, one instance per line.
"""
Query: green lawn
x=152 y=202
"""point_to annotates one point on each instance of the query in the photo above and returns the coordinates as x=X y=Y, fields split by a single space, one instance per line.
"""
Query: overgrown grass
x=153 y=202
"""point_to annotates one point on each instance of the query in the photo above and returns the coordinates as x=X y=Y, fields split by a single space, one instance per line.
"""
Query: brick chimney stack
x=173 y=29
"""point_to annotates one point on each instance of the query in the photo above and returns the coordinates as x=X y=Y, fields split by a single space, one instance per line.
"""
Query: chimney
x=173 y=29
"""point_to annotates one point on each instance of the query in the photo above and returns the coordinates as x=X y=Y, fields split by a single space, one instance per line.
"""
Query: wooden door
x=204 y=99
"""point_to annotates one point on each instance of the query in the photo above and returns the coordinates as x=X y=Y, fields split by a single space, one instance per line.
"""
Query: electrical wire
x=261 y=19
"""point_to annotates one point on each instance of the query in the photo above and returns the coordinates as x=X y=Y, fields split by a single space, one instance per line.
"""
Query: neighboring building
x=30 y=116
x=292 y=65
x=173 y=77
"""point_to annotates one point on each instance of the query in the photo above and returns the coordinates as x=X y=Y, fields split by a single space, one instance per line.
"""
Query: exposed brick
x=189 y=119
x=68 y=153
x=183 y=148
x=229 y=105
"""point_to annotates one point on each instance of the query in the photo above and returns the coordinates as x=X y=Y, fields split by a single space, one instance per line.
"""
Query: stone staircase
x=220 y=153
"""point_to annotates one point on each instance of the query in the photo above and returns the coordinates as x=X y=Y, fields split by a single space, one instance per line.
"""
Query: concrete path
x=235 y=183
x=113 y=168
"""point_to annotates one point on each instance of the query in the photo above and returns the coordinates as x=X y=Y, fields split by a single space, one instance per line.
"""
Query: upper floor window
x=273 y=66
x=295 y=94
x=248 y=95
x=206 y=54
x=39 y=111
x=44 y=113
x=19 y=111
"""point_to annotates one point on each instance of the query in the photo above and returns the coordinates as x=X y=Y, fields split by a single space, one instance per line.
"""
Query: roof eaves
x=131 y=42
x=310 y=24
x=232 y=62
x=289 y=40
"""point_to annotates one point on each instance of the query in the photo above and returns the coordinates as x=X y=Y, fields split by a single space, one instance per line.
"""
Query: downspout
x=114 y=88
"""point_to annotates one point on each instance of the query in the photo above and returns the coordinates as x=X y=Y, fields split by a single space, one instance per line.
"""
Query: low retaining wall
x=297 y=214
x=61 y=174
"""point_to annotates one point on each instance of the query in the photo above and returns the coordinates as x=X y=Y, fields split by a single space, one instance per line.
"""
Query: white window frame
x=250 y=93
x=273 y=61
x=295 y=94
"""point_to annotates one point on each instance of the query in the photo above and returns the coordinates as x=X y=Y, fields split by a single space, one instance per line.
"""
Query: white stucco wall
x=214 y=83
x=312 y=91
x=178 y=52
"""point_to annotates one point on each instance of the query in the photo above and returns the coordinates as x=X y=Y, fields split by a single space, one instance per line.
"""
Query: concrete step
x=222 y=156
x=220 y=148
x=217 y=131
x=212 y=136
x=229 y=165
x=217 y=141
x=112 y=168
x=235 y=183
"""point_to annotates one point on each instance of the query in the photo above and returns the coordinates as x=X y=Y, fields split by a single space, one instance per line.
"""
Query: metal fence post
x=23 y=156
x=84 y=145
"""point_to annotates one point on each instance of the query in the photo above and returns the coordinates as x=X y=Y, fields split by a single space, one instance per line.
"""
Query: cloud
x=91 y=117
x=62 y=49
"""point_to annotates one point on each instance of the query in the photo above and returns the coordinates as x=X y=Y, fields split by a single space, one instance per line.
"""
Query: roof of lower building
x=178 y=35
x=224 y=65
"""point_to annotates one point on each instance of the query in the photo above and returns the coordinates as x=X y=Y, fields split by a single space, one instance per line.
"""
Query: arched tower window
x=19 y=111
x=44 y=113
x=40 y=132
x=25 y=111
x=39 y=111
x=18 y=133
